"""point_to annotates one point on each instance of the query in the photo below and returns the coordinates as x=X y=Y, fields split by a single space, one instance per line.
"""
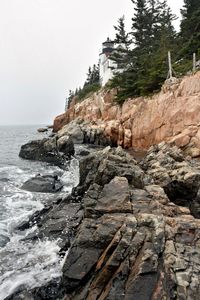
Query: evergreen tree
x=190 y=28
x=122 y=44
x=70 y=98
x=121 y=36
x=92 y=75
x=95 y=74
x=140 y=24
x=89 y=76
x=153 y=35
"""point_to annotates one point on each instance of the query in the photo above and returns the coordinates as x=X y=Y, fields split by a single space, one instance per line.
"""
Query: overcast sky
x=46 y=47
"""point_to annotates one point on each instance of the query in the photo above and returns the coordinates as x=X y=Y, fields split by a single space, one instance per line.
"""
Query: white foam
x=70 y=178
x=40 y=264
x=24 y=263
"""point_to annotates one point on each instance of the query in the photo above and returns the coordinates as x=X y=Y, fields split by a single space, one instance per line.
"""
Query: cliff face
x=173 y=115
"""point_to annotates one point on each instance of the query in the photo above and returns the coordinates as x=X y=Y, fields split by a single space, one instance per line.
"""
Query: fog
x=46 y=47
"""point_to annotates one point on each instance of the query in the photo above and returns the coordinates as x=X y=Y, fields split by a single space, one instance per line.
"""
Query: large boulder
x=43 y=184
x=51 y=150
x=74 y=130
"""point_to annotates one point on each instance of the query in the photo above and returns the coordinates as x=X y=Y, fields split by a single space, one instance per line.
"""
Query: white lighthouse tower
x=106 y=65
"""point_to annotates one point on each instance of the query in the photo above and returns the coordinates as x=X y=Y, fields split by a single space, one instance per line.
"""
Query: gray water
x=23 y=263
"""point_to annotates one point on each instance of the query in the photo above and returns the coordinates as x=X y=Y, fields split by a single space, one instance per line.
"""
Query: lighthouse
x=106 y=65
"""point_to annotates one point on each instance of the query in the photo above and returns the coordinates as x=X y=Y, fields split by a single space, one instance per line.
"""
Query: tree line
x=91 y=85
x=142 y=52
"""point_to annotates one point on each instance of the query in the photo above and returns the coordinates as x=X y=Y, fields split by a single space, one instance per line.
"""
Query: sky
x=46 y=47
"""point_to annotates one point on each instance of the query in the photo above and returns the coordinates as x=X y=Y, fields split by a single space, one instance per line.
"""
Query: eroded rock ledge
x=172 y=116
x=134 y=243
x=131 y=240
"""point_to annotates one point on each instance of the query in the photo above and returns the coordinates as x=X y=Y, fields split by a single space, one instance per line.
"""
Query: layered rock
x=133 y=242
x=172 y=115
x=128 y=239
x=179 y=177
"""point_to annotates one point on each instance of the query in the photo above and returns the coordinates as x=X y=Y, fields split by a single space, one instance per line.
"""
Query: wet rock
x=42 y=130
x=51 y=291
x=127 y=239
x=3 y=240
x=43 y=184
x=48 y=150
x=57 y=221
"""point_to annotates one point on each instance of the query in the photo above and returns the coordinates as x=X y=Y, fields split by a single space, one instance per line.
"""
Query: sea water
x=25 y=263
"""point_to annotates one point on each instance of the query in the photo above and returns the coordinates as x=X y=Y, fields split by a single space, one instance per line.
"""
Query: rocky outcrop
x=129 y=239
x=52 y=150
x=133 y=243
x=83 y=132
x=179 y=177
x=43 y=184
x=172 y=115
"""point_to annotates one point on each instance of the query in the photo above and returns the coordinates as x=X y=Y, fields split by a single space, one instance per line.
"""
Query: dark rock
x=48 y=150
x=57 y=221
x=53 y=290
x=113 y=198
x=102 y=166
x=131 y=242
x=3 y=240
x=42 y=130
x=43 y=184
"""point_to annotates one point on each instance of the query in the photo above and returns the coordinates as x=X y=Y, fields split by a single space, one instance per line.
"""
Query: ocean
x=23 y=262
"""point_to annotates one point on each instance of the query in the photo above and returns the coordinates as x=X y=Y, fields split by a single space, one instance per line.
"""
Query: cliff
x=173 y=115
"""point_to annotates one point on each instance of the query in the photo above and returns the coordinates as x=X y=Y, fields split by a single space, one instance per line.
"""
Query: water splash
x=70 y=178
x=33 y=265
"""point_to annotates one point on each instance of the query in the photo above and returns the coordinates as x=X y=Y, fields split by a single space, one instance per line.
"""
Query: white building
x=106 y=65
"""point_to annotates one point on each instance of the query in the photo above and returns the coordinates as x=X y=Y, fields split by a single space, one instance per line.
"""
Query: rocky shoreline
x=129 y=230
x=172 y=115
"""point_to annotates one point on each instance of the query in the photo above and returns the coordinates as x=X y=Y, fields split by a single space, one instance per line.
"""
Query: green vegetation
x=91 y=85
x=143 y=56
x=87 y=90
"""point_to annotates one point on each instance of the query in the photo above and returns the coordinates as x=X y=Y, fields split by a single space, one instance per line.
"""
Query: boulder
x=43 y=184
x=48 y=150
x=98 y=202
x=42 y=130
x=73 y=130
x=65 y=145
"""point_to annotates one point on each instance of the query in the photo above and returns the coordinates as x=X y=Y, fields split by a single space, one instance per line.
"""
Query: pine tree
x=122 y=44
x=94 y=74
x=140 y=23
x=121 y=36
x=153 y=35
x=190 y=28
x=89 y=76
